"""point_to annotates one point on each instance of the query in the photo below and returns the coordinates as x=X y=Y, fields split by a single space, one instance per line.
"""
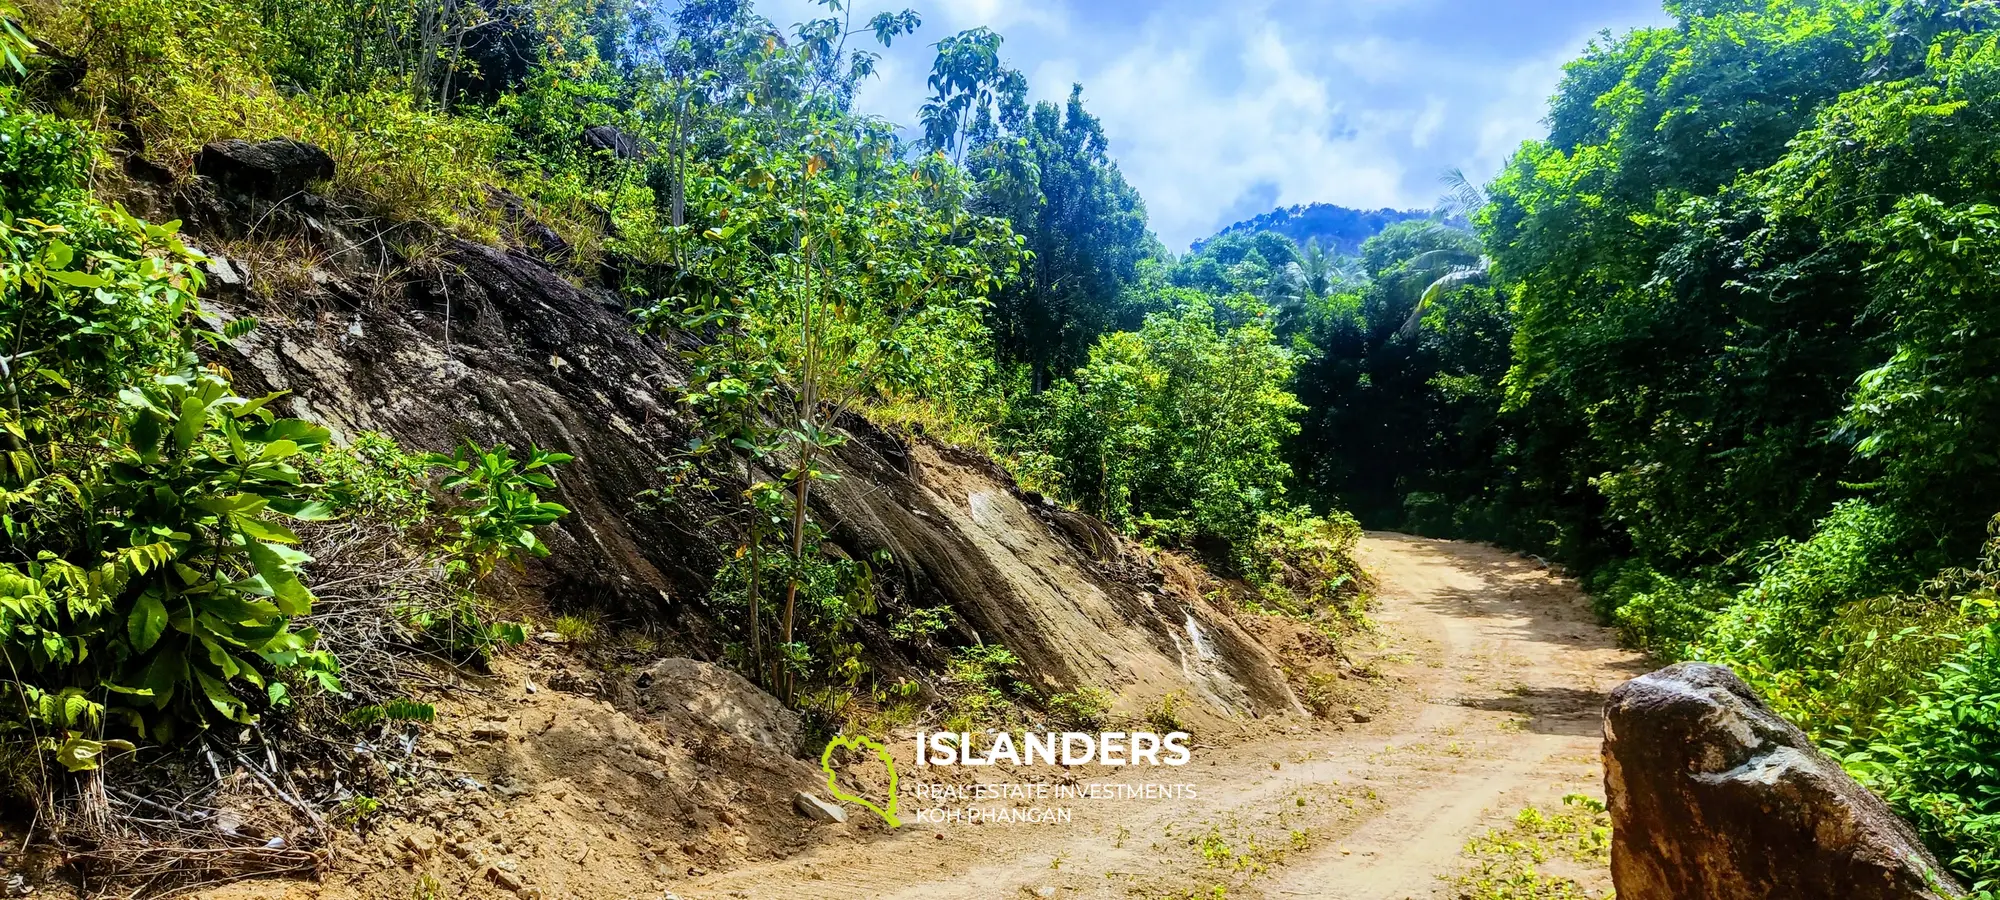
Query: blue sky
x=1220 y=111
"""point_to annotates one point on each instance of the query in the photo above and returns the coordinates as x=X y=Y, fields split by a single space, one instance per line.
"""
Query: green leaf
x=262 y=530
x=79 y=279
x=291 y=596
x=304 y=511
x=227 y=606
x=147 y=622
x=220 y=697
x=193 y=416
x=165 y=673
x=78 y=753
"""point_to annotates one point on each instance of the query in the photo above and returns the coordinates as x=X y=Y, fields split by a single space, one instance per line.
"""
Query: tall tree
x=1047 y=170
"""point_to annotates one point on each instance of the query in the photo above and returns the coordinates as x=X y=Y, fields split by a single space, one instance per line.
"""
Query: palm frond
x=1454 y=277
x=1462 y=198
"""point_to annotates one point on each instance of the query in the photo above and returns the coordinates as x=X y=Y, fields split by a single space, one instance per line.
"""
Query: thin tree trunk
x=798 y=559
x=756 y=601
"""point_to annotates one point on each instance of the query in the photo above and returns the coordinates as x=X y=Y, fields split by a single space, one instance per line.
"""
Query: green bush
x=1856 y=552
x=146 y=578
x=1935 y=761
x=1173 y=430
x=405 y=161
x=1656 y=612
x=498 y=508
x=167 y=587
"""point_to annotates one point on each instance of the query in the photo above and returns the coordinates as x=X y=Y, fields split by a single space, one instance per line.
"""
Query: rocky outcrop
x=269 y=170
x=433 y=340
x=1714 y=795
x=613 y=140
x=1079 y=603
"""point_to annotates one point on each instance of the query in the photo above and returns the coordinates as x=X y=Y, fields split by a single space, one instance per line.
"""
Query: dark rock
x=1714 y=795
x=146 y=170
x=543 y=242
x=613 y=140
x=271 y=169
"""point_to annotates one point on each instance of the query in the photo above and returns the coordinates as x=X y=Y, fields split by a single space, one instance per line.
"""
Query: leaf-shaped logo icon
x=858 y=742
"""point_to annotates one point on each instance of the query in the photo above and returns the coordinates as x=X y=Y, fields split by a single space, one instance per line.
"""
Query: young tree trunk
x=800 y=497
x=756 y=590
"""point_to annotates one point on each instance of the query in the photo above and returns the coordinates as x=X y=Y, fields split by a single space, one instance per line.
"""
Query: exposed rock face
x=1079 y=603
x=613 y=140
x=1715 y=796
x=271 y=169
x=464 y=341
x=688 y=692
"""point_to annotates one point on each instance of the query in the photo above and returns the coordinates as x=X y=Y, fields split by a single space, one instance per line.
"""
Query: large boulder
x=271 y=169
x=1714 y=795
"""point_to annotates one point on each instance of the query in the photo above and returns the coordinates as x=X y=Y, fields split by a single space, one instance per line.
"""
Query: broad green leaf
x=291 y=596
x=147 y=622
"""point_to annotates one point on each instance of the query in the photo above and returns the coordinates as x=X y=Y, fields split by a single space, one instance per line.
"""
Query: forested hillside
x=1338 y=228
x=1723 y=343
x=600 y=326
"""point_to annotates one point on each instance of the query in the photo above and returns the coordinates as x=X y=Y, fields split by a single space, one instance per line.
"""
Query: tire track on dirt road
x=1496 y=673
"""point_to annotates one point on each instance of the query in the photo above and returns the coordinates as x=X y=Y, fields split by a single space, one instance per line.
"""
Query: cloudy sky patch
x=1219 y=111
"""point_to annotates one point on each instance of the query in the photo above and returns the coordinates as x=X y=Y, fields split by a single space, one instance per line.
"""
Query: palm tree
x=1313 y=277
x=1455 y=266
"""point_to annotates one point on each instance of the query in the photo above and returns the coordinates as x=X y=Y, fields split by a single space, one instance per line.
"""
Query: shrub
x=1655 y=612
x=1084 y=709
x=168 y=586
x=498 y=507
x=1771 y=631
x=406 y=162
x=1934 y=761
x=1173 y=430
x=1315 y=550
x=182 y=73
x=978 y=684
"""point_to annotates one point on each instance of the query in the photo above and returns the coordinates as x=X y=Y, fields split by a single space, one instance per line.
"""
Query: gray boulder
x=272 y=169
x=613 y=140
x=1714 y=795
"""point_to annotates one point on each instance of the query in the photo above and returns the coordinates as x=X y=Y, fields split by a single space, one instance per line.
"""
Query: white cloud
x=1050 y=16
x=1428 y=123
x=1211 y=107
x=1192 y=146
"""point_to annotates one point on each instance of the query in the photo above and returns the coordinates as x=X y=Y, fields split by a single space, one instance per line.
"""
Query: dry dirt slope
x=1496 y=675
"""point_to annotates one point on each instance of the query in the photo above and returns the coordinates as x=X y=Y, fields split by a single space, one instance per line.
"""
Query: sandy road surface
x=1493 y=677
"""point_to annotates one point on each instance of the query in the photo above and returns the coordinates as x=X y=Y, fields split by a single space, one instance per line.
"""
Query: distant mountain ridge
x=1339 y=229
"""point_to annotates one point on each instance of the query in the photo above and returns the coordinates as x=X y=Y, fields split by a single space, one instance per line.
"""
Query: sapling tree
x=818 y=255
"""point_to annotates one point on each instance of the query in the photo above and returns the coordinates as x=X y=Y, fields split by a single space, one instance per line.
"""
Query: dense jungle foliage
x=1723 y=341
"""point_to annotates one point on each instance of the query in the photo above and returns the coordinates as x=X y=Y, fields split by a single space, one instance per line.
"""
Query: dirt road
x=1492 y=677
